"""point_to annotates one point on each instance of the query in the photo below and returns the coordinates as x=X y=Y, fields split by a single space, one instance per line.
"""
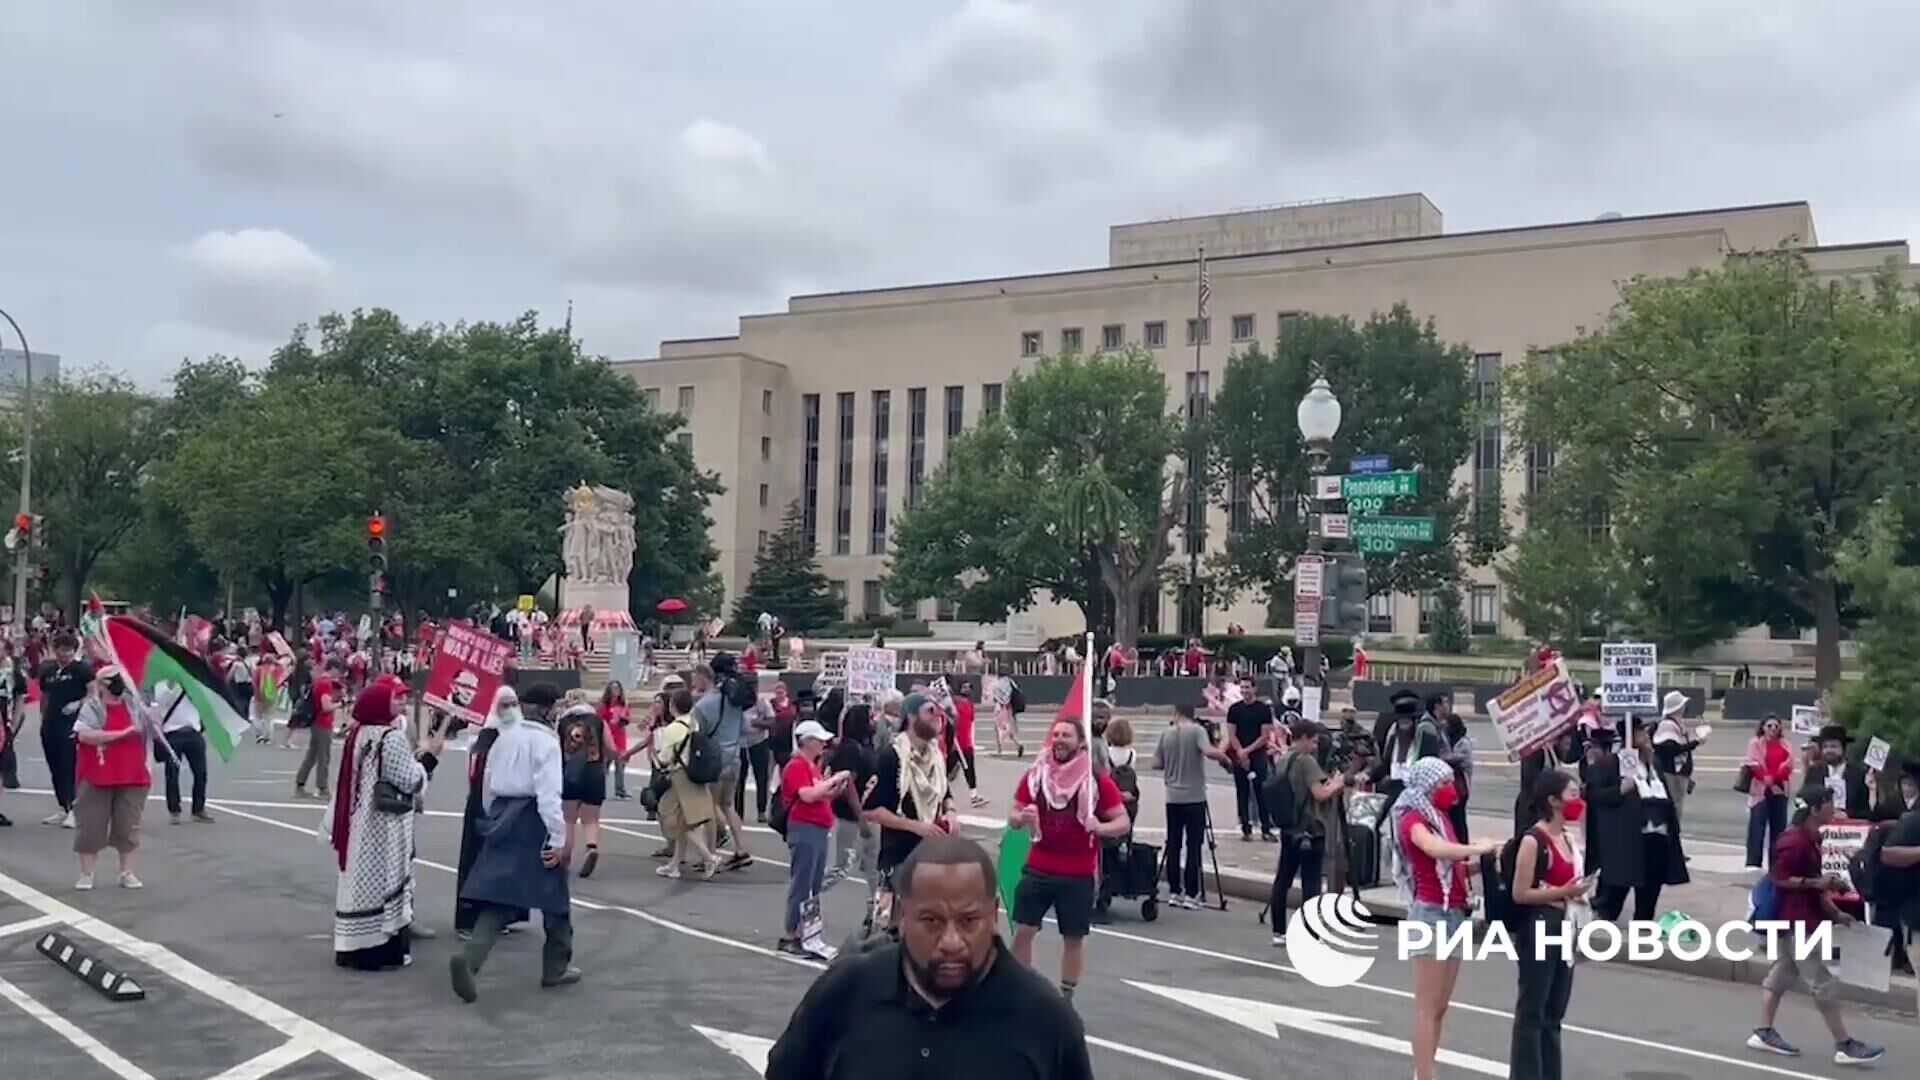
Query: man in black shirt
x=909 y=799
x=948 y=1001
x=1248 y=723
x=63 y=684
x=1898 y=890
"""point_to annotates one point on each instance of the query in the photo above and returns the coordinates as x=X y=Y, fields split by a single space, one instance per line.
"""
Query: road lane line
x=61 y=1026
x=1176 y=946
x=27 y=926
x=353 y=1055
x=261 y=1065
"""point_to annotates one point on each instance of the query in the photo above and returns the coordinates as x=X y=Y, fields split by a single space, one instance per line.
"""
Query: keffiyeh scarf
x=1422 y=777
x=923 y=775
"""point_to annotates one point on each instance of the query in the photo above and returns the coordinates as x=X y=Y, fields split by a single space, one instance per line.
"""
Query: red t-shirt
x=1426 y=871
x=1797 y=855
x=798 y=774
x=323 y=688
x=1065 y=847
x=963 y=723
x=611 y=715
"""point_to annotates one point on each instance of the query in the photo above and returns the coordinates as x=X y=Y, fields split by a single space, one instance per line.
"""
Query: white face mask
x=510 y=716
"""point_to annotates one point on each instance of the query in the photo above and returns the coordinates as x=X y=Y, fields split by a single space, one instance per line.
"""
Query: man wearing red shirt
x=328 y=695
x=1064 y=862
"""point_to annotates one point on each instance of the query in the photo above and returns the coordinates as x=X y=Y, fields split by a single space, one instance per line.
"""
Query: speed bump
x=113 y=984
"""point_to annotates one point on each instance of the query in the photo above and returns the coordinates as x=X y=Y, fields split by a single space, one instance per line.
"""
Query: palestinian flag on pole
x=149 y=657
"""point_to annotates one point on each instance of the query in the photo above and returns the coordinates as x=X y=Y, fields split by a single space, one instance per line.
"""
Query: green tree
x=1076 y=490
x=787 y=582
x=95 y=438
x=1743 y=419
x=1564 y=577
x=1882 y=566
x=1447 y=632
x=1403 y=392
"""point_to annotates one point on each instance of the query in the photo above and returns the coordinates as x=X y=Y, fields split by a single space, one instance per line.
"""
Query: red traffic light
x=376 y=527
x=23 y=522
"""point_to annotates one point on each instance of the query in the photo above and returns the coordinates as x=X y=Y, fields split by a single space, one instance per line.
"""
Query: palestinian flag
x=149 y=657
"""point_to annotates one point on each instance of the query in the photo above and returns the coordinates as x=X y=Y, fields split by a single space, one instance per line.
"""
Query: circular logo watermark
x=1332 y=940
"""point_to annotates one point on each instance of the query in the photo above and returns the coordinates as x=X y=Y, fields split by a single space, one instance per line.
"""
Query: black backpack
x=1497 y=872
x=1866 y=869
x=1016 y=701
x=1282 y=810
x=702 y=758
x=742 y=692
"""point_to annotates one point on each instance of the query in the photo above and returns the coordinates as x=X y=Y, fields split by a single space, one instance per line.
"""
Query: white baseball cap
x=812 y=729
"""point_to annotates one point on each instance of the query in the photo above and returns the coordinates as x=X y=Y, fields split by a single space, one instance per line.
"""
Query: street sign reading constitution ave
x=1417 y=530
x=1390 y=485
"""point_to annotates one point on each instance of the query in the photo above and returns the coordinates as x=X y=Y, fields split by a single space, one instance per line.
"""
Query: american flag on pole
x=1206 y=289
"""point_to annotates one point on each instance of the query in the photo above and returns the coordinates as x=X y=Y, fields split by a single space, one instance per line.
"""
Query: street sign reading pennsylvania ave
x=1389 y=485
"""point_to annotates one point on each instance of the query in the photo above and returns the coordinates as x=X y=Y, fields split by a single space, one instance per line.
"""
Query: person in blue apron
x=524 y=851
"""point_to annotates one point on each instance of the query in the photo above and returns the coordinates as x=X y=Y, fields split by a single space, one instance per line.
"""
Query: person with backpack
x=1802 y=897
x=1547 y=886
x=720 y=712
x=1008 y=703
x=686 y=805
x=1304 y=803
x=804 y=805
x=585 y=754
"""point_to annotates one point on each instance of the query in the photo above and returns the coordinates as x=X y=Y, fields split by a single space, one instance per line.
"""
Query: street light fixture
x=1319 y=418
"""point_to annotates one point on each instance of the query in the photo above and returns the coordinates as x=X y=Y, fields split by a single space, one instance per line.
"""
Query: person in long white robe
x=373 y=897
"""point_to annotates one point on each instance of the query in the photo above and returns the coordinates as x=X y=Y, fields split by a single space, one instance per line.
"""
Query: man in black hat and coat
x=1402 y=737
x=1847 y=779
x=1897 y=892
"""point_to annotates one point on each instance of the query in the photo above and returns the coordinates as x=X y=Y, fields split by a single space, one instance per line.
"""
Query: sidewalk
x=1718 y=893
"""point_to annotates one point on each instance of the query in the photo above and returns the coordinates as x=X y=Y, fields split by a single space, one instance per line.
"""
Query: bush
x=892 y=626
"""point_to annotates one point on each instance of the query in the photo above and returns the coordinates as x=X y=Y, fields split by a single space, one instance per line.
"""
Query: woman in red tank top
x=1550 y=891
x=110 y=769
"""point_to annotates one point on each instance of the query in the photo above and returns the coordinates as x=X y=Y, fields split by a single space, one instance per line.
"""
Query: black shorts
x=1069 y=898
x=589 y=786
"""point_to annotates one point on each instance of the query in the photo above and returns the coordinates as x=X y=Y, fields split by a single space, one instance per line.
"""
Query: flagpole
x=1195 y=520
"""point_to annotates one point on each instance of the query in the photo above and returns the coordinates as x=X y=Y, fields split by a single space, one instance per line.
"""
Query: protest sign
x=1862 y=959
x=942 y=695
x=1839 y=839
x=1629 y=761
x=1629 y=678
x=468 y=666
x=833 y=672
x=1877 y=752
x=1806 y=720
x=872 y=671
x=1535 y=711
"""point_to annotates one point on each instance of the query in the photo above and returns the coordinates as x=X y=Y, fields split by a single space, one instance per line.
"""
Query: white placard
x=1326 y=488
x=1309 y=578
x=1629 y=762
x=1806 y=720
x=1533 y=712
x=872 y=671
x=1630 y=678
x=1877 y=752
x=833 y=671
x=1335 y=527
x=1839 y=839
x=1861 y=958
x=942 y=695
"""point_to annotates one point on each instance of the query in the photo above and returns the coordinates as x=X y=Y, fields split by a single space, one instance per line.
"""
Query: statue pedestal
x=609 y=604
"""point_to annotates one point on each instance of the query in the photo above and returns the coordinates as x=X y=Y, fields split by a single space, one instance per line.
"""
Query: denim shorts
x=1445 y=922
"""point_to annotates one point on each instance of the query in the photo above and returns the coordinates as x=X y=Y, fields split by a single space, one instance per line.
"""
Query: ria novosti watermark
x=1334 y=941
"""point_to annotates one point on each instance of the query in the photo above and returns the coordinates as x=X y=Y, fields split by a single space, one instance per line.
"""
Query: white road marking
x=751 y=1049
x=355 y=1056
x=261 y=1065
x=27 y=926
x=87 y=1044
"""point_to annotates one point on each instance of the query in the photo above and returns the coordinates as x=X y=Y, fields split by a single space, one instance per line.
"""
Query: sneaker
x=979 y=800
x=54 y=818
x=203 y=817
x=740 y=861
x=792 y=947
x=1246 y=834
x=66 y=822
x=565 y=978
x=128 y=881
x=711 y=868
x=670 y=870
x=1279 y=941
x=85 y=883
x=592 y=860
x=1770 y=1041
x=1855 y=1052
x=1268 y=836
x=173 y=817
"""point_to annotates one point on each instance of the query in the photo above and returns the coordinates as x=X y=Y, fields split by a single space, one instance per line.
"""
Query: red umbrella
x=672 y=605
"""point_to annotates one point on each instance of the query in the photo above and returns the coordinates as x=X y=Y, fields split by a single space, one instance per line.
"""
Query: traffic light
x=22 y=532
x=377 y=561
x=1343 y=610
x=39 y=530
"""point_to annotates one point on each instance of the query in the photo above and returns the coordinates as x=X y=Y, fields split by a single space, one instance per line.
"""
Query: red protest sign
x=467 y=669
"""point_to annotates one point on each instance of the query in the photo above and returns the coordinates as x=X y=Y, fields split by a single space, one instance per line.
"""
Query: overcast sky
x=179 y=177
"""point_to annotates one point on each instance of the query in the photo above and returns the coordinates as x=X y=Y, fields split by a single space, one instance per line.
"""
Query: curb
x=1245 y=885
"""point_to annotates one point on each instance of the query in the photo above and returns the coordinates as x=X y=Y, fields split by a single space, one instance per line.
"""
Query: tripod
x=1213 y=853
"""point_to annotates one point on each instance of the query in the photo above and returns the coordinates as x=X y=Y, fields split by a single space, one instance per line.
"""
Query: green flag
x=1014 y=845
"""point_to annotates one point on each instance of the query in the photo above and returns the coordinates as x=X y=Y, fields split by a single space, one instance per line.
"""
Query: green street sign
x=1417 y=530
x=1377 y=545
x=1389 y=485
x=1367 y=504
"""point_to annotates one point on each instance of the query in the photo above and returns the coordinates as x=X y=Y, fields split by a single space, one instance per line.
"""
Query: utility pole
x=20 y=559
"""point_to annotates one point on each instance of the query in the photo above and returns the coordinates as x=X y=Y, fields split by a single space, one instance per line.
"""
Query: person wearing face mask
x=113 y=729
x=908 y=800
x=1068 y=810
x=1636 y=831
x=948 y=1002
x=508 y=707
x=1550 y=887
x=1431 y=871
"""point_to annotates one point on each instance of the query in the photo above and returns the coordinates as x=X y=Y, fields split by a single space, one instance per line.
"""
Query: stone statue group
x=597 y=541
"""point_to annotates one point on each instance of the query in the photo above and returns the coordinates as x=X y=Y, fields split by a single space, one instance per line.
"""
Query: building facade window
x=651 y=395
x=766 y=448
x=1200 y=331
x=761 y=545
x=1486 y=452
x=1540 y=458
x=763 y=496
x=882 y=434
x=1240 y=503
x=1286 y=322
x=1113 y=336
x=947 y=610
x=1030 y=343
x=956 y=407
x=1429 y=605
x=1154 y=334
x=916 y=445
x=870 y=600
x=1380 y=613
x=685 y=439
x=686 y=401
x=838 y=590
x=991 y=396
x=1070 y=340
x=843 y=479
x=810 y=468
x=766 y=403
x=1483 y=618
x=1243 y=328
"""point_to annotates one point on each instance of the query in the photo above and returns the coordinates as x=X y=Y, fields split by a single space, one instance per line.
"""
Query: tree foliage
x=1740 y=421
x=1403 y=392
x=1067 y=490
x=1447 y=630
x=1565 y=577
x=1882 y=567
x=787 y=582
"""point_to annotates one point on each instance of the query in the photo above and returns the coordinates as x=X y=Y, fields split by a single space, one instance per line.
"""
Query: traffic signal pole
x=21 y=566
x=377 y=583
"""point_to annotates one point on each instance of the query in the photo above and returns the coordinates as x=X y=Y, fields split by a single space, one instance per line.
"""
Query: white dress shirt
x=178 y=717
x=525 y=763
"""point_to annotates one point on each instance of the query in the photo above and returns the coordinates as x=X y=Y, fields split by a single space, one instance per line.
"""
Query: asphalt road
x=231 y=940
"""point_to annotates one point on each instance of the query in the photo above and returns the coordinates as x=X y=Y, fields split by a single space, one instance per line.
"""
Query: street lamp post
x=1319 y=418
x=26 y=479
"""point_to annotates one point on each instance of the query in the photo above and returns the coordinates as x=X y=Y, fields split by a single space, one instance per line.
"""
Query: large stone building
x=846 y=401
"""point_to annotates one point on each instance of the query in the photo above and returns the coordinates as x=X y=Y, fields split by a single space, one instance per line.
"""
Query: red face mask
x=1445 y=797
x=1574 y=808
